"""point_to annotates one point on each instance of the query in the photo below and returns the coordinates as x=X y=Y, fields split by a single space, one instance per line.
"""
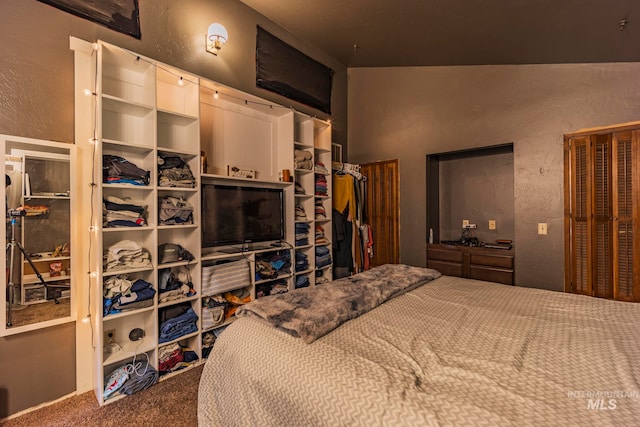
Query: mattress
x=451 y=352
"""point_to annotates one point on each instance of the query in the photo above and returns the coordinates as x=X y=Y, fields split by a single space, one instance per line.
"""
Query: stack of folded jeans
x=302 y=281
x=302 y=233
x=302 y=261
x=323 y=256
x=174 y=326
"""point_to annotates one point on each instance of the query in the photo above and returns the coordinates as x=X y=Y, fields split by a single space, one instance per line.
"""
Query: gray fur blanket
x=310 y=313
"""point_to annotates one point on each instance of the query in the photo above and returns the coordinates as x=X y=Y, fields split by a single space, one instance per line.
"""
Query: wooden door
x=602 y=215
x=625 y=216
x=578 y=215
x=383 y=210
x=602 y=283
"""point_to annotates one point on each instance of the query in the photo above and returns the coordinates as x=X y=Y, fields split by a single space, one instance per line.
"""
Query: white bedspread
x=452 y=352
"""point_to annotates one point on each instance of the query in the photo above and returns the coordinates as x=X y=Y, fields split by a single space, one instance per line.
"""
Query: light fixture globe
x=216 y=36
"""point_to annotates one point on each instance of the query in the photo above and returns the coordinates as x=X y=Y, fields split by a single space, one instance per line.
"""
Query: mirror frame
x=38 y=145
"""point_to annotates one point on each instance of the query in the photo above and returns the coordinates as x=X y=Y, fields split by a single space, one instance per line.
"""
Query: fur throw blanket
x=312 y=312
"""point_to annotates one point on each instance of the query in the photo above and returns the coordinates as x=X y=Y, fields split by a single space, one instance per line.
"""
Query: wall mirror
x=37 y=286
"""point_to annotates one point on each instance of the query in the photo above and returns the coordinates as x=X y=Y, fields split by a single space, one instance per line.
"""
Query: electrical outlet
x=542 y=228
x=109 y=336
x=492 y=224
x=465 y=222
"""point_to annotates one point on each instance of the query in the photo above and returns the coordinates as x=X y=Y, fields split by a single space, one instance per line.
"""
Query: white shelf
x=224 y=324
x=177 y=301
x=47 y=277
x=129 y=350
x=232 y=179
x=35 y=197
x=126 y=313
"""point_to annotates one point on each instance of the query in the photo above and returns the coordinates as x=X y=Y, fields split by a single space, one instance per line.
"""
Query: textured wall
x=36 y=101
x=406 y=113
x=478 y=189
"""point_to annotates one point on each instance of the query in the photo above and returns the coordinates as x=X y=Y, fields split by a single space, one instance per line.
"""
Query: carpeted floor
x=34 y=313
x=170 y=402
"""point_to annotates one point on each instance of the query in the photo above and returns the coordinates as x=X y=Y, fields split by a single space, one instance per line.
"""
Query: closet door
x=578 y=198
x=602 y=215
x=383 y=210
x=625 y=215
x=601 y=285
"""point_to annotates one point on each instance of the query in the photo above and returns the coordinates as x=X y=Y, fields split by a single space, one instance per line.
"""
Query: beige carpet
x=170 y=402
x=34 y=313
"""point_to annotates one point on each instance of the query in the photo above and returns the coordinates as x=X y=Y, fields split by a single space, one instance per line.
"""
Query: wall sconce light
x=216 y=36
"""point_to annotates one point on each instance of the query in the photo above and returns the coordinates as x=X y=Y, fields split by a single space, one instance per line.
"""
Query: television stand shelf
x=238 y=180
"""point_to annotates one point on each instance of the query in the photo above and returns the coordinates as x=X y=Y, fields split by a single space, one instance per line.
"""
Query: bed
x=440 y=351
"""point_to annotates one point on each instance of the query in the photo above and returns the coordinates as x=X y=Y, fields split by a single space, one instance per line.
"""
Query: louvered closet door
x=601 y=285
x=602 y=185
x=579 y=215
x=625 y=214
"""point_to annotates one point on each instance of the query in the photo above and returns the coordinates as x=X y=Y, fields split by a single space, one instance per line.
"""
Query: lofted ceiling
x=385 y=33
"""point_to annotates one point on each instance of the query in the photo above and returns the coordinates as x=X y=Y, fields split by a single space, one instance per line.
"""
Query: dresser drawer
x=502 y=261
x=446 y=268
x=444 y=255
x=491 y=274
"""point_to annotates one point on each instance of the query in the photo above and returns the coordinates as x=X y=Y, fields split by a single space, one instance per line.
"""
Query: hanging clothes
x=349 y=191
x=344 y=193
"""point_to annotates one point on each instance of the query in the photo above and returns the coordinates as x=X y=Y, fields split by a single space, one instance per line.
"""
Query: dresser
x=493 y=265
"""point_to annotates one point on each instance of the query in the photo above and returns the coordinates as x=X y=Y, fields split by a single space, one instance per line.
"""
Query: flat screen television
x=241 y=215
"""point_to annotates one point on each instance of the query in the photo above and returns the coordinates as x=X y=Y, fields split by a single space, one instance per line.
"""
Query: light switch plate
x=542 y=228
x=492 y=224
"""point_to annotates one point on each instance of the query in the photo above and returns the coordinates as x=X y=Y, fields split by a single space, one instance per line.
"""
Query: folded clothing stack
x=125 y=254
x=174 y=284
x=175 y=210
x=323 y=256
x=302 y=233
x=176 y=321
x=321 y=185
x=302 y=281
x=118 y=170
x=302 y=261
x=125 y=212
x=321 y=239
x=174 y=172
x=270 y=265
x=120 y=293
x=271 y=288
x=320 y=212
x=300 y=213
x=321 y=168
x=174 y=357
x=303 y=160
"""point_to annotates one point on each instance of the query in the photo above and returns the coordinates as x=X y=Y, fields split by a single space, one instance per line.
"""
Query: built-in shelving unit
x=145 y=111
x=312 y=168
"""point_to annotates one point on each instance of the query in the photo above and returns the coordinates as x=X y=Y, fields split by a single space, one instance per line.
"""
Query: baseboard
x=34 y=408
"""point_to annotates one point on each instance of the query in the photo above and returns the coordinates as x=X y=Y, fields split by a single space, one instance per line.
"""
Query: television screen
x=234 y=214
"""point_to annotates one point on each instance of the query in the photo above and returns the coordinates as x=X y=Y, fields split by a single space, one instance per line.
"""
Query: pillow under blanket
x=309 y=313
